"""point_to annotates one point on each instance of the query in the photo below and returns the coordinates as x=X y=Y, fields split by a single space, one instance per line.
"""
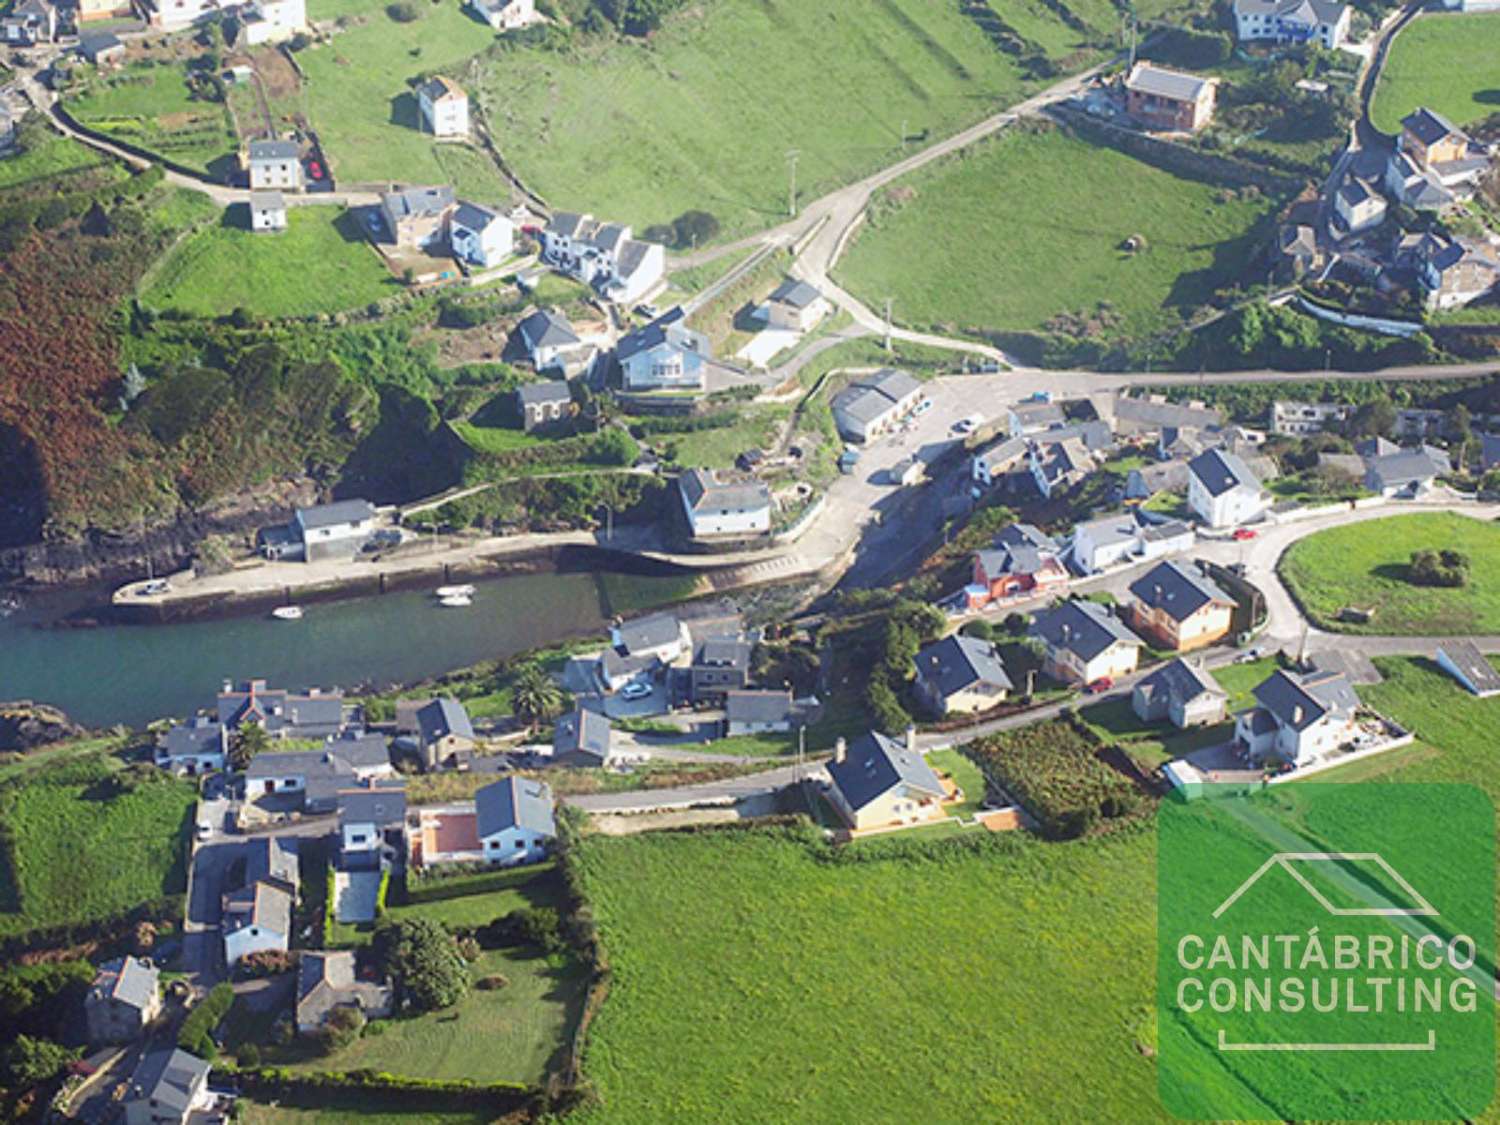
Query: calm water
x=135 y=673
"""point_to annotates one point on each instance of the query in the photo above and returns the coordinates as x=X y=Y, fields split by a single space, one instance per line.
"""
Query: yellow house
x=1178 y=608
x=1430 y=138
x=961 y=675
x=879 y=782
x=1085 y=642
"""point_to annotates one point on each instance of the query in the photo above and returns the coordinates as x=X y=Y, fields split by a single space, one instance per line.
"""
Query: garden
x=177 y=111
x=1444 y=61
x=321 y=263
x=88 y=839
x=1366 y=577
x=1040 y=231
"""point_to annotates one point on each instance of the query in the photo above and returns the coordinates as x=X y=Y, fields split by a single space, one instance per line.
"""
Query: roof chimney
x=840 y=752
x=911 y=739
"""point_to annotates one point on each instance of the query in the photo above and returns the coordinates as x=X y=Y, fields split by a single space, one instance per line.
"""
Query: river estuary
x=135 y=673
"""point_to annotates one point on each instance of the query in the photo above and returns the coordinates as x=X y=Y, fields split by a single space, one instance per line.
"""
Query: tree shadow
x=236 y=217
x=1394 y=572
x=1487 y=97
x=226 y=169
x=350 y=225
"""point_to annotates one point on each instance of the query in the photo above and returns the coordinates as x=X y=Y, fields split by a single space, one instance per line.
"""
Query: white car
x=968 y=425
x=635 y=690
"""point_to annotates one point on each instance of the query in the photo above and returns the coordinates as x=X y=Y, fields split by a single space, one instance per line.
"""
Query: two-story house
x=961 y=675
x=516 y=822
x=1299 y=717
x=1021 y=560
x=543 y=404
x=877 y=781
x=721 y=506
x=1222 y=491
x=665 y=355
x=1169 y=100
x=1178 y=608
x=480 y=237
x=1085 y=642
x=122 y=1001
x=444 y=107
x=1296 y=22
x=274 y=166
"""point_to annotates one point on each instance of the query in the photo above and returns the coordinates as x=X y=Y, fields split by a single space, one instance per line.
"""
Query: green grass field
x=363 y=109
x=1445 y=62
x=703 y=115
x=320 y=263
x=76 y=850
x=153 y=108
x=755 y=983
x=54 y=159
x=365 y=1111
x=1029 y=225
x=1364 y=565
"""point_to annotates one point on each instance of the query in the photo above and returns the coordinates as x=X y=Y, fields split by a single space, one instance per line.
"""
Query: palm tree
x=248 y=740
x=534 y=694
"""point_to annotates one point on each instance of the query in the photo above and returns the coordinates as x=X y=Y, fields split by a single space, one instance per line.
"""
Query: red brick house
x=1021 y=560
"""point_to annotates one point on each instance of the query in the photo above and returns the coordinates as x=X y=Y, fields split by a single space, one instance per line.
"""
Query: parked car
x=1038 y=396
x=968 y=425
x=1103 y=683
x=749 y=459
x=635 y=690
x=314 y=170
x=1243 y=533
x=923 y=407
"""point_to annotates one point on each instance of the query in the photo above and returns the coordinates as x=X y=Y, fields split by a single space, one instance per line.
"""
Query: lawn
x=703 y=115
x=77 y=848
x=320 y=263
x=1029 y=226
x=1445 y=62
x=357 y=1112
x=361 y=104
x=755 y=982
x=966 y=775
x=153 y=108
x=54 y=159
x=1364 y=565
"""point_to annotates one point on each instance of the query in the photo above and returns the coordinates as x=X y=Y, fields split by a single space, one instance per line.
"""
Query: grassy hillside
x=1365 y=565
x=1445 y=62
x=1031 y=225
x=697 y=118
x=88 y=839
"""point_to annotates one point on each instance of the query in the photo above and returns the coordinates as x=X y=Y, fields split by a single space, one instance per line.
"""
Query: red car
x=314 y=169
x=1244 y=533
x=1103 y=683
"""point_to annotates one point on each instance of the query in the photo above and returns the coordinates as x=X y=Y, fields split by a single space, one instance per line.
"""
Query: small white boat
x=454 y=592
x=456 y=601
x=287 y=613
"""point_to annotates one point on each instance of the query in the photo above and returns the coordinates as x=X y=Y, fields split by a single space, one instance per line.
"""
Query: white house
x=29 y=23
x=877 y=781
x=444 y=107
x=758 y=712
x=543 y=404
x=604 y=255
x=874 y=404
x=1182 y=692
x=657 y=636
x=730 y=507
x=1222 y=491
x=258 y=916
x=194 y=747
x=547 y=335
x=505 y=15
x=996 y=460
x=330 y=530
x=515 y=821
x=272 y=21
x=267 y=210
x=1325 y=22
x=169 y=1087
x=367 y=815
x=664 y=355
x=1121 y=536
x=1359 y=205
x=1057 y=466
x=1406 y=472
x=274 y=166
x=795 y=306
x=1299 y=718
x=479 y=236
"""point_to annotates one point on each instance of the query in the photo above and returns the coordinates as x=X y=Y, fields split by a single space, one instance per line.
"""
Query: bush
x=983 y=630
x=1439 y=568
x=420 y=957
x=341 y=1027
x=196 y=1033
x=248 y=1055
x=694 y=228
x=492 y=983
x=29 y=1062
x=538 y=925
x=404 y=11
x=267 y=963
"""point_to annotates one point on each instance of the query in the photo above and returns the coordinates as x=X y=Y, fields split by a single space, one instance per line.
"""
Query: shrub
x=28 y=1062
x=341 y=1027
x=196 y=1033
x=538 y=925
x=981 y=629
x=267 y=963
x=404 y=11
x=419 y=955
x=1439 y=568
x=694 y=228
x=492 y=983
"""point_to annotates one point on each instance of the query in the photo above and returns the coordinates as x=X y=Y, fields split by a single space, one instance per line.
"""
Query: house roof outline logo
x=1286 y=860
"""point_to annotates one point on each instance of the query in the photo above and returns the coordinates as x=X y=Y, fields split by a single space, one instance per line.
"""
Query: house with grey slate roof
x=417 y=217
x=169 y=1087
x=516 y=822
x=194 y=747
x=873 y=404
x=664 y=636
x=445 y=735
x=581 y=738
x=877 y=782
x=1177 y=607
x=1085 y=642
x=274 y=166
x=326 y=981
x=721 y=505
x=543 y=404
x=370 y=824
x=258 y=915
x=1170 y=100
x=480 y=236
x=961 y=675
x=1296 y=22
x=721 y=664
x=1181 y=692
x=122 y=1001
x=758 y=712
x=1222 y=490
x=335 y=530
x=665 y=355
x=795 y=306
x=1298 y=717
x=313 y=714
x=1462 y=660
x=1147 y=414
x=1407 y=472
x=547 y=336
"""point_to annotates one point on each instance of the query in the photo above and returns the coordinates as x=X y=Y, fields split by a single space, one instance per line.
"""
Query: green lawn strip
x=1028 y=226
x=694 y=279
x=362 y=107
x=1445 y=62
x=1364 y=565
x=320 y=263
x=624 y=594
x=752 y=427
x=708 y=123
x=366 y=1110
x=78 y=849
x=966 y=775
x=715 y=934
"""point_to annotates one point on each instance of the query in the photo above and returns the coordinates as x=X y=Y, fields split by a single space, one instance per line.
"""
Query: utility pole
x=888 y=325
x=791 y=190
x=1133 y=27
x=903 y=134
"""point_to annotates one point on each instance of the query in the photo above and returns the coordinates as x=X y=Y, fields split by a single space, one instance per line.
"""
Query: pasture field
x=694 y=119
x=742 y=958
x=1364 y=565
x=1030 y=225
x=1444 y=61
x=320 y=263
x=359 y=99
x=54 y=159
x=357 y=1111
x=83 y=839
x=153 y=108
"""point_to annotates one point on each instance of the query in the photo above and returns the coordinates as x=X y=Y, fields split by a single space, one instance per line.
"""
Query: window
x=520 y=844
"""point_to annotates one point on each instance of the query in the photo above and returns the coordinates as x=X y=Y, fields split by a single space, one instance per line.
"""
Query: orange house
x=1022 y=559
x=1177 y=608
